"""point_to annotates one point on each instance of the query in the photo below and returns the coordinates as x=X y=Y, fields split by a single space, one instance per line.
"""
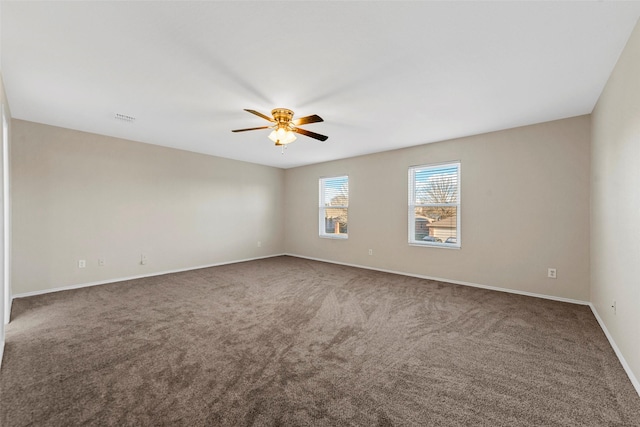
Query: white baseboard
x=140 y=276
x=621 y=358
x=455 y=282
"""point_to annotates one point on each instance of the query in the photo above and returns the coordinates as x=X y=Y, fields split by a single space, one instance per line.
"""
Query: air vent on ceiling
x=125 y=117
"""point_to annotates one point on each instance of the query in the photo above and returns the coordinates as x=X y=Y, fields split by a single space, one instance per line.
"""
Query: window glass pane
x=429 y=229
x=335 y=220
x=436 y=185
x=336 y=191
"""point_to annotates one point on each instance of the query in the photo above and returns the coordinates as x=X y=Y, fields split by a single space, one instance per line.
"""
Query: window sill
x=334 y=236
x=434 y=245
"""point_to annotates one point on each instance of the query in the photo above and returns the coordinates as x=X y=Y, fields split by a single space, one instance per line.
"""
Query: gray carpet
x=287 y=341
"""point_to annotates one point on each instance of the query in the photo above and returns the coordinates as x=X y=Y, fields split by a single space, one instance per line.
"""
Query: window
x=334 y=206
x=434 y=205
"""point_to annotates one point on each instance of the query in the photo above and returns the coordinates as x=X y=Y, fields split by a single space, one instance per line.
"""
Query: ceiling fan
x=285 y=127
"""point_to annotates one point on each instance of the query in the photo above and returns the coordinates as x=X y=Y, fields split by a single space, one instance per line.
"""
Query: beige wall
x=615 y=204
x=525 y=207
x=84 y=196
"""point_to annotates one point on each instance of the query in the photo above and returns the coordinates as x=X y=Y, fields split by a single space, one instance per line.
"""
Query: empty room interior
x=320 y=213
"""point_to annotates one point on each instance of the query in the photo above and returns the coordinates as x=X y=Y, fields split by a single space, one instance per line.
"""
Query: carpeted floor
x=287 y=341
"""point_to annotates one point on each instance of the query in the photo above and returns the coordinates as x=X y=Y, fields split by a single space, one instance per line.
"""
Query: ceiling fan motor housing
x=283 y=116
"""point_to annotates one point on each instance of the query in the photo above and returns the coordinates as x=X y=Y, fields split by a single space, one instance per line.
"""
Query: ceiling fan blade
x=259 y=114
x=244 y=130
x=311 y=134
x=308 y=119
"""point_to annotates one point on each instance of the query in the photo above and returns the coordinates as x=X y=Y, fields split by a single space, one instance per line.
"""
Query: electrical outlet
x=551 y=273
x=82 y=263
x=613 y=307
x=370 y=251
x=101 y=262
x=259 y=244
x=143 y=259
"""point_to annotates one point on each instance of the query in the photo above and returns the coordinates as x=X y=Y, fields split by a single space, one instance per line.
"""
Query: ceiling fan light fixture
x=282 y=136
x=289 y=138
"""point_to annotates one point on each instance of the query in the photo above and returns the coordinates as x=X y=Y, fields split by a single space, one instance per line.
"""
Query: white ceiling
x=383 y=75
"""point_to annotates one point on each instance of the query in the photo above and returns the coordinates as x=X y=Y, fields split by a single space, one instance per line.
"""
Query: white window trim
x=321 y=210
x=6 y=197
x=413 y=205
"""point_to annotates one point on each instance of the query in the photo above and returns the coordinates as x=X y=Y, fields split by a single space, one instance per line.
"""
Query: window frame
x=412 y=205
x=322 y=232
